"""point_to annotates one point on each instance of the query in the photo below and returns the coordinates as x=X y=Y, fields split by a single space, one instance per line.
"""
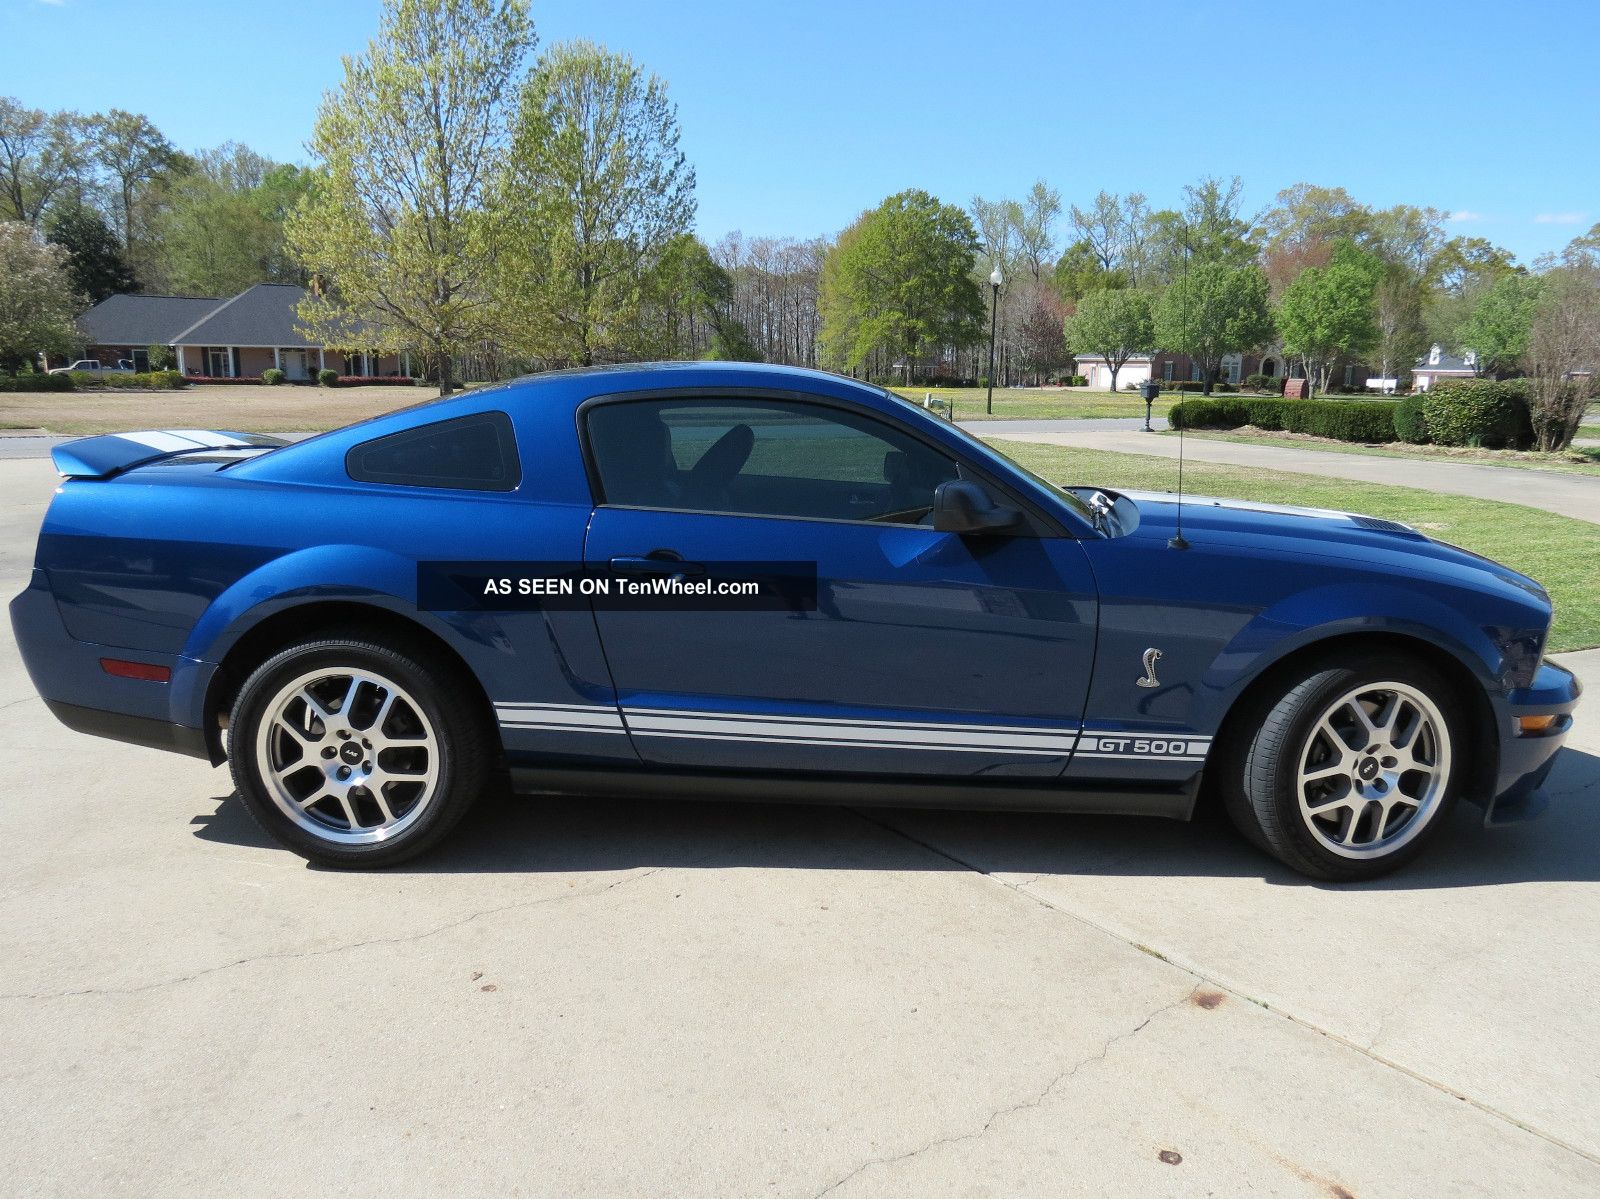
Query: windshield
x=984 y=451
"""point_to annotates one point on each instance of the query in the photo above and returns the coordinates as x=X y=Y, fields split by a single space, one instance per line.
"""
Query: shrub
x=36 y=382
x=328 y=377
x=272 y=376
x=1345 y=420
x=161 y=358
x=1478 y=412
x=1077 y=381
x=124 y=381
x=372 y=380
x=1409 y=422
x=1270 y=384
x=242 y=380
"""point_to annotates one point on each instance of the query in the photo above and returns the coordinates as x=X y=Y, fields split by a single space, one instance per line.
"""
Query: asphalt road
x=589 y=997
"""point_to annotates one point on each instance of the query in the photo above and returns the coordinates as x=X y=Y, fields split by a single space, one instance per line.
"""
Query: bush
x=36 y=382
x=328 y=377
x=371 y=380
x=1409 y=422
x=242 y=380
x=124 y=381
x=272 y=376
x=1077 y=381
x=1344 y=420
x=1270 y=384
x=161 y=358
x=1478 y=412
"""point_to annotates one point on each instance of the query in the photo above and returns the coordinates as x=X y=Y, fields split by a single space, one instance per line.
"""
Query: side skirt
x=1176 y=801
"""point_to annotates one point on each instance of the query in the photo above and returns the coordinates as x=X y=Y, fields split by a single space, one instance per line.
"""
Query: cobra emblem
x=1151 y=657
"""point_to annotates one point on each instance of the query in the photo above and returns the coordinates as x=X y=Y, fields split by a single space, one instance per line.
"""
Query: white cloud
x=1464 y=215
x=1560 y=218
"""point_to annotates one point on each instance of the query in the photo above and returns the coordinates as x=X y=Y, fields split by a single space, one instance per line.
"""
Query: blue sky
x=798 y=116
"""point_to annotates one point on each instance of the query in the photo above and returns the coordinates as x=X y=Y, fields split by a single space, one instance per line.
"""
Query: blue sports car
x=735 y=581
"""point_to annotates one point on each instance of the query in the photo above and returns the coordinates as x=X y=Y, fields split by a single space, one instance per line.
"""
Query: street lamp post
x=995 y=280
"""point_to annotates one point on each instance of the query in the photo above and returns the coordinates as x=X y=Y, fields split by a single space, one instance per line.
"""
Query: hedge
x=1409 y=423
x=139 y=381
x=1344 y=420
x=36 y=382
x=1478 y=412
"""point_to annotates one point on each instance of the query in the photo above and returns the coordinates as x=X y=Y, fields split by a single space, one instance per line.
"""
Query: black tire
x=1260 y=770
x=437 y=692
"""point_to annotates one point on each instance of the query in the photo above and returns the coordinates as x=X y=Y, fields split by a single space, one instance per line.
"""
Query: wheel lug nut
x=344 y=772
x=367 y=766
x=344 y=734
x=329 y=751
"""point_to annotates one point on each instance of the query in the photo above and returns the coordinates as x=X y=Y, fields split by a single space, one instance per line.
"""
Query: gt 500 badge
x=1145 y=747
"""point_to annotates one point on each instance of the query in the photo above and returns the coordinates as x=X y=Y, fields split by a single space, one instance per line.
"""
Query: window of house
x=763 y=458
x=1167 y=370
x=219 y=362
x=1350 y=376
x=469 y=453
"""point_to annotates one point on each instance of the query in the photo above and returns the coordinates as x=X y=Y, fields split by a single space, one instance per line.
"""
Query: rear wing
x=110 y=454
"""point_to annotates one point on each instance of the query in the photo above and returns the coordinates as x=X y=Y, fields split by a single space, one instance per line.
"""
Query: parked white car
x=93 y=366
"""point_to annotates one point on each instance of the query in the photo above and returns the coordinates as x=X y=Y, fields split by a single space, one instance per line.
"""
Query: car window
x=469 y=453
x=763 y=458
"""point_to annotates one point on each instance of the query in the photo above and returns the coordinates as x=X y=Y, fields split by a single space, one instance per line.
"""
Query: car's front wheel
x=353 y=753
x=1351 y=769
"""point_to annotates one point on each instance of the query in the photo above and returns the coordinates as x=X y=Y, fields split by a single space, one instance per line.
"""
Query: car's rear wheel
x=1351 y=769
x=353 y=753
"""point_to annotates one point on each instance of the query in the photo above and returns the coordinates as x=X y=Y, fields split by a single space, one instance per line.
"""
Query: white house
x=1134 y=371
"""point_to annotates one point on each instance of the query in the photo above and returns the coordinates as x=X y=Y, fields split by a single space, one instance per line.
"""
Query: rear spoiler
x=110 y=454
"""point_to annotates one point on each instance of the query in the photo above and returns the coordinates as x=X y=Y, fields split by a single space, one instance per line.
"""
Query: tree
x=37 y=302
x=1306 y=215
x=95 y=266
x=1399 y=336
x=1213 y=310
x=398 y=232
x=900 y=280
x=1078 y=272
x=215 y=241
x=133 y=153
x=1215 y=232
x=1114 y=325
x=602 y=189
x=1331 y=312
x=1563 y=351
x=1042 y=349
x=1036 y=227
x=1100 y=227
x=39 y=154
x=1497 y=329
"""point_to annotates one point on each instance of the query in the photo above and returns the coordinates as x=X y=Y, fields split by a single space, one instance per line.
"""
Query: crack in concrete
x=337 y=949
x=1001 y=1113
x=1194 y=972
x=26 y=699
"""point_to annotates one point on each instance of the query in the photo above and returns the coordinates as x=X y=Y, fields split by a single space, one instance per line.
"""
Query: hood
x=1321 y=532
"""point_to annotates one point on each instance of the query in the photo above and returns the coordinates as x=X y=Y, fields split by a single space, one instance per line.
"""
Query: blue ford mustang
x=955 y=630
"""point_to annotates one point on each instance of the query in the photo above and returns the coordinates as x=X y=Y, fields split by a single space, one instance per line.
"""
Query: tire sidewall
x=1300 y=711
x=459 y=776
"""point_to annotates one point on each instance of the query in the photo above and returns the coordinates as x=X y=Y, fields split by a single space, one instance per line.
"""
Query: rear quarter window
x=468 y=453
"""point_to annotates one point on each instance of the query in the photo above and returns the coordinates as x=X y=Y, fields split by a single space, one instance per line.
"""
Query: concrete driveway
x=581 y=997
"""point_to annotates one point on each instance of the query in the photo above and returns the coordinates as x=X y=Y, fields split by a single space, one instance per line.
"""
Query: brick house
x=237 y=337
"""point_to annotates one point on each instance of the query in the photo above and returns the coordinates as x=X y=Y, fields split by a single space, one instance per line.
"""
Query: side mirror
x=963 y=507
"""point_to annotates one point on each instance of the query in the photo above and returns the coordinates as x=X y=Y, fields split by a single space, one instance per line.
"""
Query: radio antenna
x=1177 y=541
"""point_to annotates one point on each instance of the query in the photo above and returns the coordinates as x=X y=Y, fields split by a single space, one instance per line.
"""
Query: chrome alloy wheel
x=348 y=756
x=1373 y=771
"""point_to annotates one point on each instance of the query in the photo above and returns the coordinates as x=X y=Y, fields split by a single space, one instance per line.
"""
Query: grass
x=209 y=406
x=1580 y=460
x=1031 y=403
x=1589 y=431
x=1560 y=552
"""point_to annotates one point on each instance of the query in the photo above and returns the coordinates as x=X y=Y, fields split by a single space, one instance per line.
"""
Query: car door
x=925 y=653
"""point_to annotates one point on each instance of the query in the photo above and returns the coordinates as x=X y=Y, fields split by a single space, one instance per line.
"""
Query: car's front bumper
x=1525 y=759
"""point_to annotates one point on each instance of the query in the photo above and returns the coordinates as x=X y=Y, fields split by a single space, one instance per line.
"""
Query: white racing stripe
x=840 y=732
x=206 y=437
x=164 y=442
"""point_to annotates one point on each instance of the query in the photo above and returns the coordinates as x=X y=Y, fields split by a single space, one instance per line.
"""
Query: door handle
x=656 y=563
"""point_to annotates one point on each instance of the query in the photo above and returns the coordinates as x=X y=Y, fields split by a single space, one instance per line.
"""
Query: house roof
x=126 y=320
x=263 y=315
x=1447 y=364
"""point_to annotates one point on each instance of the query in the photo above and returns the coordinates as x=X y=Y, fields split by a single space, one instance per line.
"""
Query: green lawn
x=1031 y=403
x=1580 y=460
x=1562 y=553
x=1589 y=430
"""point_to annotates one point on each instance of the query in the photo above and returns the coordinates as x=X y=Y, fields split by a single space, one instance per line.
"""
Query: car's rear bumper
x=68 y=675
x=1525 y=761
